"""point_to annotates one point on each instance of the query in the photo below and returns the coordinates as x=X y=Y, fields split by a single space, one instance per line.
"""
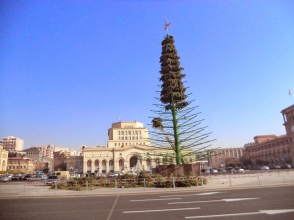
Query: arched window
x=111 y=165
x=104 y=166
x=121 y=165
x=133 y=161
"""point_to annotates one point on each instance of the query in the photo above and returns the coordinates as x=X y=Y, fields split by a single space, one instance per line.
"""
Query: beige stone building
x=20 y=165
x=12 y=144
x=3 y=158
x=128 y=145
x=127 y=133
x=74 y=164
x=59 y=158
x=277 y=150
x=219 y=157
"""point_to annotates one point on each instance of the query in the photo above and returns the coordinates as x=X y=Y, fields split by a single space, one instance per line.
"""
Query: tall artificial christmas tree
x=175 y=126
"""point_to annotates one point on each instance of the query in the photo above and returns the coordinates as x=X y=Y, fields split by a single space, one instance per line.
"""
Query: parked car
x=221 y=170
x=36 y=178
x=110 y=175
x=286 y=166
x=275 y=167
x=203 y=171
x=9 y=176
x=51 y=180
x=264 y=168
x=4 y=178
x=72 y=176
x=101 y=174
x=27 y=176
x=116 y=174
x=239 y=170
x=213 y=170
x=17 y=177
x=229 y=169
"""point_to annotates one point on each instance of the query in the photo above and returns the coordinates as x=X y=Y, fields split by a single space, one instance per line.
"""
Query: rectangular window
x=122 y=133
x=126 y=138
x=118 y=132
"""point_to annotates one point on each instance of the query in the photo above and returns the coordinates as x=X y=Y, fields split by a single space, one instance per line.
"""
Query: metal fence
x=82 y=184
x=252 y=178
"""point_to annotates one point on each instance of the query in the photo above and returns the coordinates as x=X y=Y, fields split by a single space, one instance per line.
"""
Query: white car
x=239 y=170
x=213 y=170
x=4 y=178
x=37 y=178
x=264 y=168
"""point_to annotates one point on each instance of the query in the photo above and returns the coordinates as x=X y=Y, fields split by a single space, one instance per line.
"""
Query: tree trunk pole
x=176 y=133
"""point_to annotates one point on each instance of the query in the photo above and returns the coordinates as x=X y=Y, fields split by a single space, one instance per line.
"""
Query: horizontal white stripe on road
x=269 y=212
x=225 y=215
x=198 y=194
x=161 y=210
x=144 y=200
x=220 y=200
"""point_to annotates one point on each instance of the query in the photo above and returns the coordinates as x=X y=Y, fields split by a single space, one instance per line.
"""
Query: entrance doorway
x=133 y=161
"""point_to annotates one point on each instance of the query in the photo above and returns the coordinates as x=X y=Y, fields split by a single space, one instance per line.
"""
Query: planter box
x=182 y=169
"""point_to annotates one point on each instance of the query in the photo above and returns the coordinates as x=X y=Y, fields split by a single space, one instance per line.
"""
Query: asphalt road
x=254 y=203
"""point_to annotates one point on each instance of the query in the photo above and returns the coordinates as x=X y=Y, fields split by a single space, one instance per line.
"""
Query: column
x=85 y=167
x=115 y=166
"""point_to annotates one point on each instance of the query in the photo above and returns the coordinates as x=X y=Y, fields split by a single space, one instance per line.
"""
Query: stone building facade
x=127 y=133
x=20 y=165
x=74 y=164
x=59 y=158
x=3 y=158
x=33 y=153
x=128 y=145
x=219 y=157
x=277 y=150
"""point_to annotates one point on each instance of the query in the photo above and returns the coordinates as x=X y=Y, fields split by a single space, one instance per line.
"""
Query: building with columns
x=219 y=157
x=128 y=145
x=276 y=150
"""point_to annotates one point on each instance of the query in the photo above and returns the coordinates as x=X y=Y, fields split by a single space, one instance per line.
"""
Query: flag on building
x=289 y=92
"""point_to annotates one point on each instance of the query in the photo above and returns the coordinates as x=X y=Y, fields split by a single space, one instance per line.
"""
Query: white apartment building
x=12 y=144
x=127 y=134
x=72 y=152
x=47 y=150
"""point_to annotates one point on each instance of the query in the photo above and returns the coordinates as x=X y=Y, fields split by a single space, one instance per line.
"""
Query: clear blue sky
x=69 y=69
